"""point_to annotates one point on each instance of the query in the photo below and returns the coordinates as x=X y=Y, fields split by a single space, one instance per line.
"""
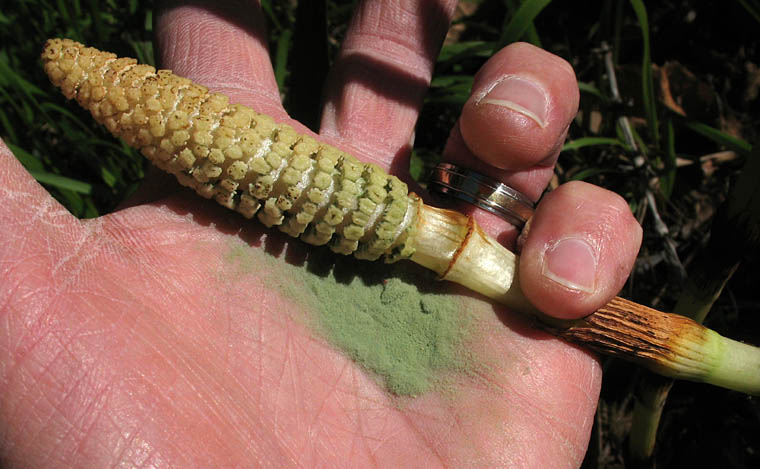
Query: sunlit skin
x=132 y=338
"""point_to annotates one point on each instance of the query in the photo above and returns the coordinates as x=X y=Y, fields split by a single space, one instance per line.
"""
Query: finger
x=514 y=123
x=380 y=77
x=522 y=103
x=221 y=45
x=582 y=244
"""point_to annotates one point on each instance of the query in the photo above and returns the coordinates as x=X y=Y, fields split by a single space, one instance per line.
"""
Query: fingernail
x=519 y=94
x=571 y=262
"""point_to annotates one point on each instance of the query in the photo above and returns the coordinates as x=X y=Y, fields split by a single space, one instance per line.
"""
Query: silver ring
x=482 y=191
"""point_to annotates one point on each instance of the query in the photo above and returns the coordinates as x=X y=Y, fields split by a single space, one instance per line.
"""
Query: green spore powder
x=393 y=320
x=407 y=338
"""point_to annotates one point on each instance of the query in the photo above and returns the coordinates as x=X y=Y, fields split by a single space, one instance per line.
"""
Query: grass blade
x=143 y=51
x=647 y=83
x=454 y=53
x=521 y=21
x=450 y=89
x=588 y=173
x=62 y=182
x=592 y=90
x=7 y=127
x=721 y=138
x=281 y=59
x=591 y=141
x=752 y=7
x=30 y=162
x=531 y=34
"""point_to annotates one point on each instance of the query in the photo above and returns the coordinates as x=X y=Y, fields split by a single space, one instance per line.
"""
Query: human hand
x=141 y=338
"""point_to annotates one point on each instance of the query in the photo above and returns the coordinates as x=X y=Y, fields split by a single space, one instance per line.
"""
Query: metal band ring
x=482 y=191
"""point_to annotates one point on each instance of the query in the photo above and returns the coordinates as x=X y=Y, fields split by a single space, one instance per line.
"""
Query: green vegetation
x=78 y=162
x=669 y=112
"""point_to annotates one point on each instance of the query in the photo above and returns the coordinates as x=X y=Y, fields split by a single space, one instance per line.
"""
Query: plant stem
x=453 y=246
x=651 y=395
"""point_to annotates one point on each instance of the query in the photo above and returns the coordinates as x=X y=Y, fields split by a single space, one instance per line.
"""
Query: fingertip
x=522 y=103
x=378 y=82
x=221 y=45
x=582 y=244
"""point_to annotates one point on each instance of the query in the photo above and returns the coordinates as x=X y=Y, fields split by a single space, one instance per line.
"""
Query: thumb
x=579 y=250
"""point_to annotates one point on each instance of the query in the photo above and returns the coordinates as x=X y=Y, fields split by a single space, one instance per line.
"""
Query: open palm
x=167 y=333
